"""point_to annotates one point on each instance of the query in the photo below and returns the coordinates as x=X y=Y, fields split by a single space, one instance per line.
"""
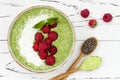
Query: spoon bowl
x=89 y=46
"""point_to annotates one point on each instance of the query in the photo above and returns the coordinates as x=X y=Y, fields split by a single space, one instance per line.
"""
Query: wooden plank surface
x=108 y=35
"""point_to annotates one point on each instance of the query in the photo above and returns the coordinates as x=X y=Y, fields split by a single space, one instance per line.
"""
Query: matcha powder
x=91 y=63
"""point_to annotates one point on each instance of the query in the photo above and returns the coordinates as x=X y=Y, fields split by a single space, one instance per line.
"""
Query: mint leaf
x=50 y=21
x=39 y=24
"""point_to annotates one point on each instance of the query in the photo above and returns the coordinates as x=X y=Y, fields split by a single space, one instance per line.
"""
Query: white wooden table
x=108 y=35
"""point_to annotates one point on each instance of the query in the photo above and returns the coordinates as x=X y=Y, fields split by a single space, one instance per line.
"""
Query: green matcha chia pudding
x=21 y=38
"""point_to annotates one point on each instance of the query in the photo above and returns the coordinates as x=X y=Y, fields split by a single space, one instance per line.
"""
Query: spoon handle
x=61 y=76
x=76 y=62
x=71 y=70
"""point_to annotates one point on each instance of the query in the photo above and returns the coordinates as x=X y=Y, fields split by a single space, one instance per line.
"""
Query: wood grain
x=106 y=33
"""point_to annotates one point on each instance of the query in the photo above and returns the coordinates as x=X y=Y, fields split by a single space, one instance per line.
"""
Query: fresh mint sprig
x=52 y=20
x=40 y=24
x=49 y=21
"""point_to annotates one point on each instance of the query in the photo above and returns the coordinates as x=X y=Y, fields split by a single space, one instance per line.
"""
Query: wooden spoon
x=88 y=46
x=89 y=64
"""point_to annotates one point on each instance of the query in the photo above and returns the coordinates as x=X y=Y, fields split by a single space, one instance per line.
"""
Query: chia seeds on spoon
x=89 y=45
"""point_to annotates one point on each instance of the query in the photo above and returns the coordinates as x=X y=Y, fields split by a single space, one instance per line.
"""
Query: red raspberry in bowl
x=52 y=35
x=39 y=37
x=50 y=60
x=43 y=46
x=92 y=23
x=43 y=55
x=46 y=29
x=107 y=17
x=36 y=46
x=53 y=25
x=53 y=50
x=47 y=40
x=85 y=13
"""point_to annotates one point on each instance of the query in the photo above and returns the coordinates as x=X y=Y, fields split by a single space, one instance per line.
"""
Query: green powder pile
x=91 y=63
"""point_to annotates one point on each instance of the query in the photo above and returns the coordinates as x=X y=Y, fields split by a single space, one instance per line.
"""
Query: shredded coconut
x=26 y=41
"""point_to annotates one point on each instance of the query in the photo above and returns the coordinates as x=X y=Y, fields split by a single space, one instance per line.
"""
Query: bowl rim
x=10 y=28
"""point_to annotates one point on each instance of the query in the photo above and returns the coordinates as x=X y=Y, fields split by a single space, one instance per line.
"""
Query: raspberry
x=35 y=46
x=50 y=60
x=92 y=23
x=43 y=46
x=43 y=55
x=53 y=25
x=39 y=37
x=107 y=17
x=85 y=13
x=48 y=41
x=52 y=35
x=53 y=50
x=46 y=29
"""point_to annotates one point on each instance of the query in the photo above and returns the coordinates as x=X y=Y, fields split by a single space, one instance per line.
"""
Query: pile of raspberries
x=43 y=46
